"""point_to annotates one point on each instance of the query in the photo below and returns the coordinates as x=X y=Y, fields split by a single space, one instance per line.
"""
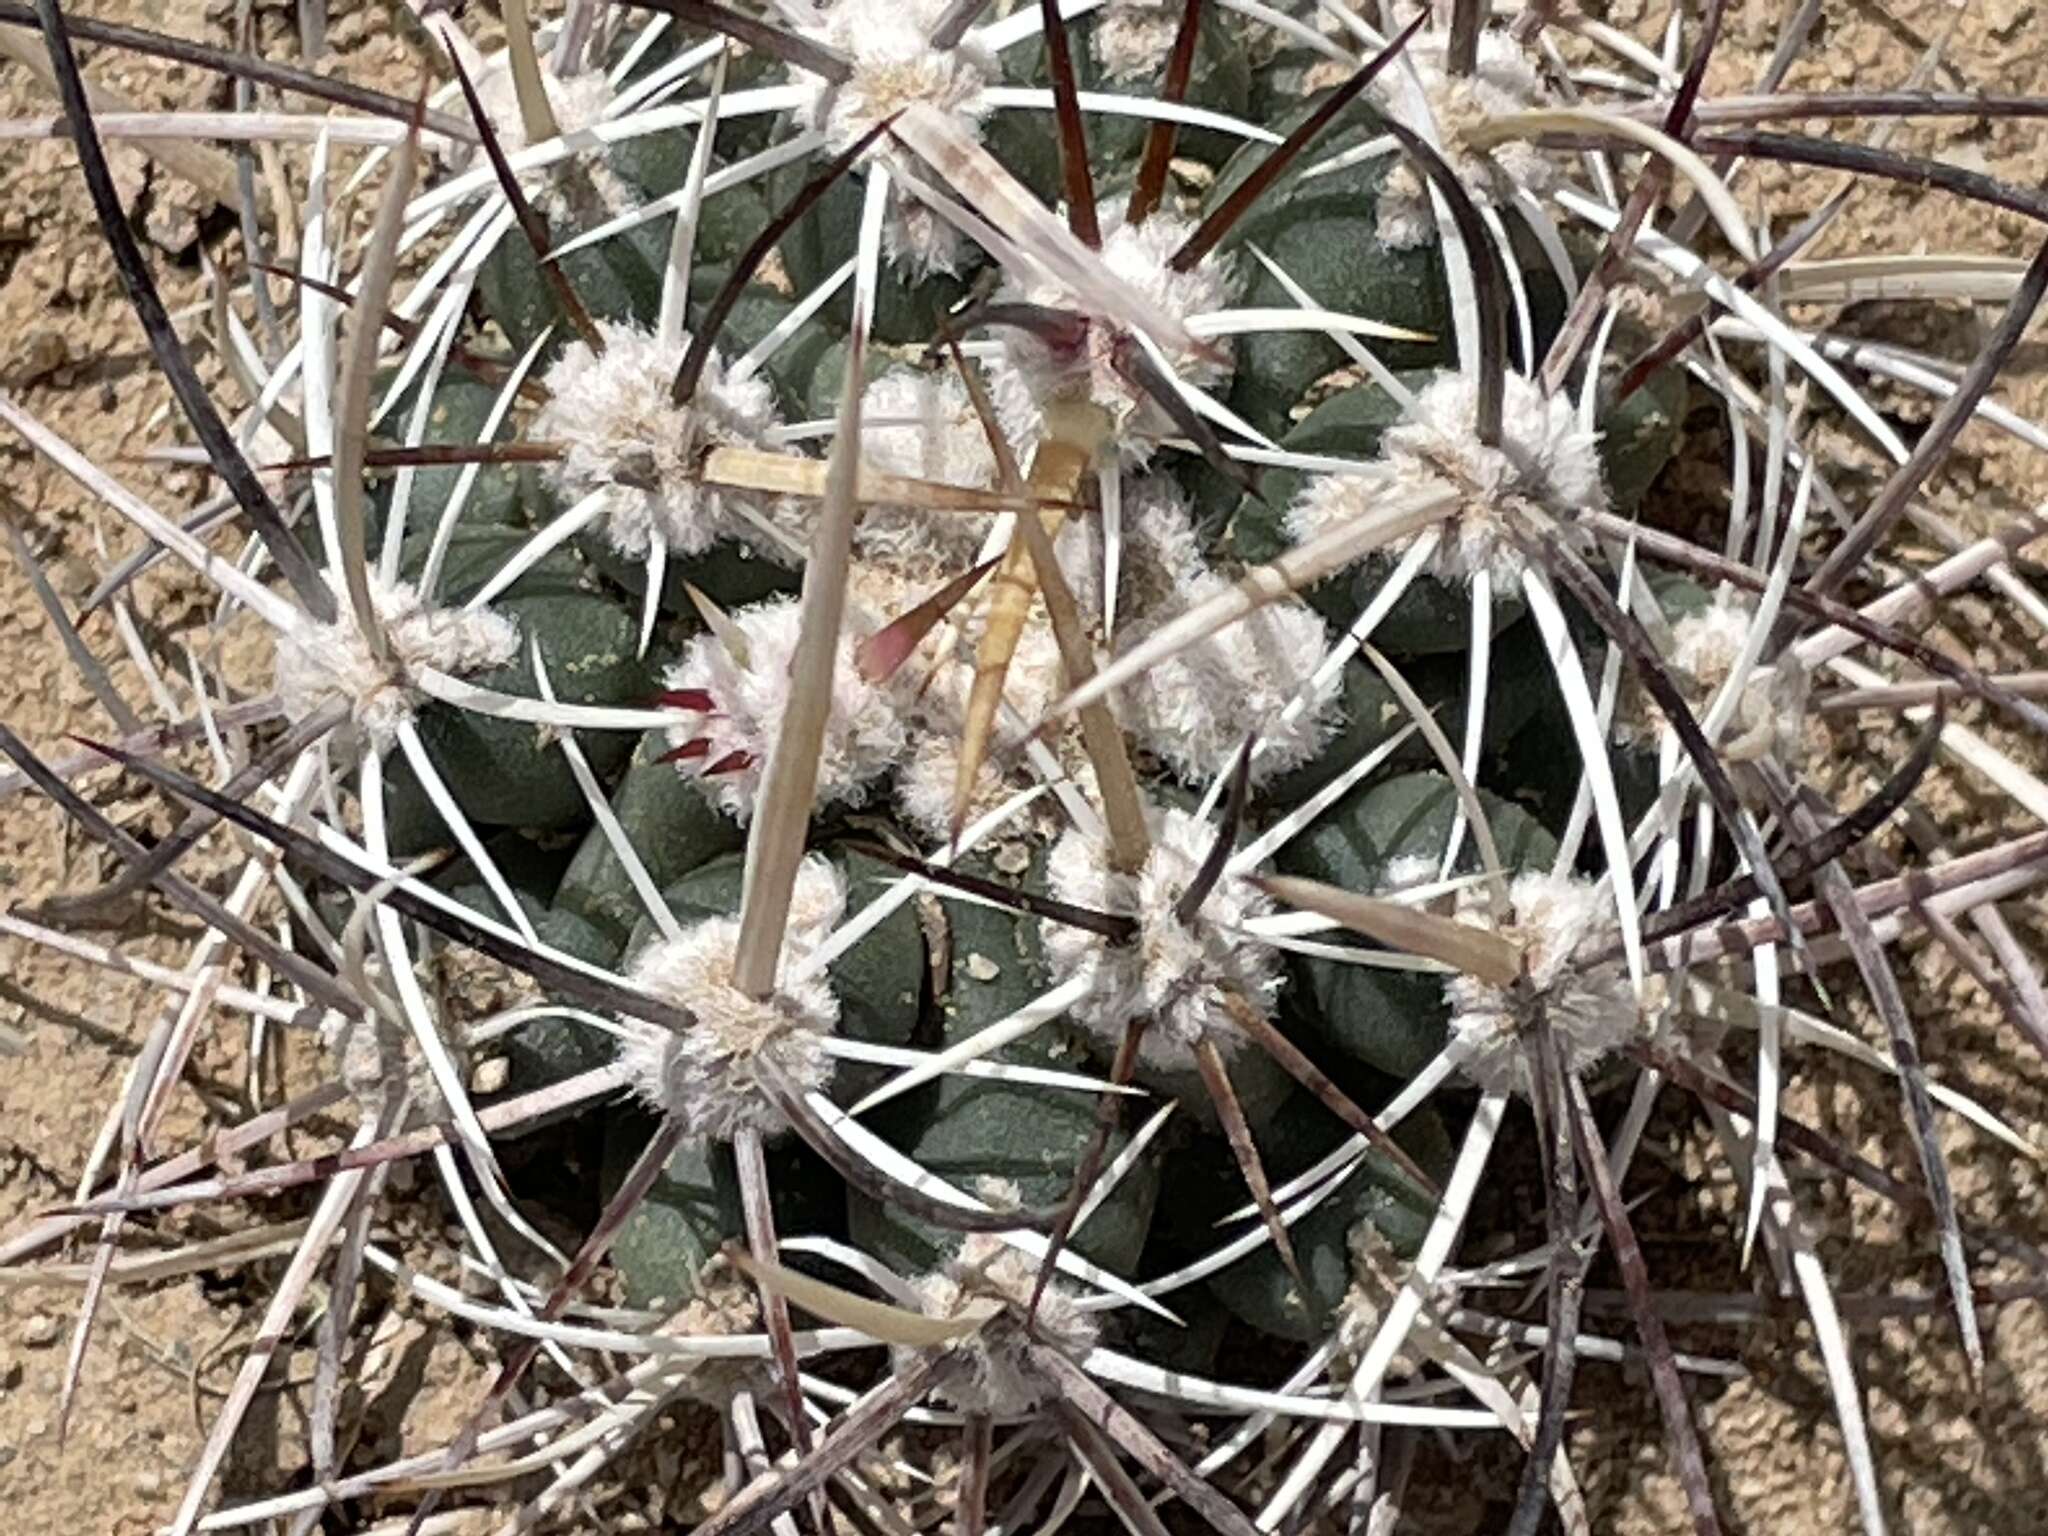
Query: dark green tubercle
x=964 y=1129
x=695 y=1207
x=503 y=773
x=1393 y=1021
x=1257 y=1288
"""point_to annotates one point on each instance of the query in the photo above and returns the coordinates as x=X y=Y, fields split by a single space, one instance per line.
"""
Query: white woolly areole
x=922 y=425
x=865 y=731
x=1770 y=715
x=704 y=1076
x=1591 y=1009
x=1173 y=973
x=1134 y=37
x=1545 y=462
x=998 y=1376
x=895 y=66
x=1028 y=374
x=623 y=435
x=1506 y=81
x=1192 y=710
x=319 y=663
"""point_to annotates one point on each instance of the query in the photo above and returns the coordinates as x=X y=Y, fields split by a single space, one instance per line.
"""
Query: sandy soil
x=1956 y=1458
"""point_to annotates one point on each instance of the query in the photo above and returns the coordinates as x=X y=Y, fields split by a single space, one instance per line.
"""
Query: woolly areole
x=1173 y=973
x=999 y=1377
x=866 y=731
x=323 y=662
x=623 y=436
x=1544 y=463
x=704 y=1076
x=1591 y=1009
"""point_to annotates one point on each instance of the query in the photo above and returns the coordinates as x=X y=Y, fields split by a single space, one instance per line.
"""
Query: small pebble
x=491 y=1075
x=1012 y=858
x=981 y=968
x=41 y=1331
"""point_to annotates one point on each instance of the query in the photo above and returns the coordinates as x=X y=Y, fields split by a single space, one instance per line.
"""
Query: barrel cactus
x=975 y=608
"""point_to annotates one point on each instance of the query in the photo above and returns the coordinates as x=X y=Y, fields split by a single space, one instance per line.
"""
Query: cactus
x=1051 y=676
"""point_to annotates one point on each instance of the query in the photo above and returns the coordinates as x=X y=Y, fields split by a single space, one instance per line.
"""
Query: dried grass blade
x=879 y=1320
x=1470 y=950
x=775 y=844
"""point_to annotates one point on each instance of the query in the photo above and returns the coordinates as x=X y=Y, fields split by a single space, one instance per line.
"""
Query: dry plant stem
x=752 y=469
x=1566 y=1284
x=1836 y=889
x=1245 y=1149
x=244 y=66
x=1635 y=1276
x=757 y=1211
x=1080 y=1392
x=775 y=843
x=871 y=1417
x=1890 y=503
x=532 y=224
x=1063 y=460
x=225 y=454
x=1157 y=161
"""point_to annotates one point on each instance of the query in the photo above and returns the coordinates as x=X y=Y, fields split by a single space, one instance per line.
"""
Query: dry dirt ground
x=1956 y=1458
